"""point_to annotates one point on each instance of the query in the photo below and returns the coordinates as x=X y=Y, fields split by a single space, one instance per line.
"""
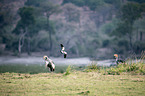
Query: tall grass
x=135 y=68
x=68 y=70
x=92 y=67
x=131 y=66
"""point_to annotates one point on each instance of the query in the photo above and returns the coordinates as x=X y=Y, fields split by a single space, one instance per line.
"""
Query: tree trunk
x=140 y=36
x=49 y=29
x=19 y=47
x=77 y=52
x=21 y=42
x=130 y=41
x=29 y=46
x=137 y=35
x=130 y=36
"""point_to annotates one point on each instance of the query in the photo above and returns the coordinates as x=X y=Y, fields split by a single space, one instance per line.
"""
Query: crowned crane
x=118 y=60
x=62 y=51
x=49 y=63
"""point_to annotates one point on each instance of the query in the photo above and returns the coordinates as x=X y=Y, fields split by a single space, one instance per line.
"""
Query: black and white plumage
x=118 y=60
x=49 y=63
x=62 y=51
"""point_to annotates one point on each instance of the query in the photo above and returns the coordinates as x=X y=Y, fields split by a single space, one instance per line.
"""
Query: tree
x=22 y=28
x=92 y=4
x=71 y=13
x=76 y=2
x=49 y=9
x=139 y=1
x=45 y=8
x=5 y=24
x=129 y=13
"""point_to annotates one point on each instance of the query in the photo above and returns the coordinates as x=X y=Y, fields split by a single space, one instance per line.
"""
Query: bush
x=135 y=68
x=132 y=67
x=92 y=67
x=113 y=71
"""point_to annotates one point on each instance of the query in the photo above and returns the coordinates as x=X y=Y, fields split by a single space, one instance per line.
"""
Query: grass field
x=35 y=80
x=77 y=83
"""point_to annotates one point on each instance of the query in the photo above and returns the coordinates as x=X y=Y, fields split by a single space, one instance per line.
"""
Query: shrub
x=132 y=67
x=92 y=67
x=135 y=68
x=113 y=71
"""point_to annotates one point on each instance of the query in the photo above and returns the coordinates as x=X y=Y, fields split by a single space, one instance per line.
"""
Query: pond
x=57 y=61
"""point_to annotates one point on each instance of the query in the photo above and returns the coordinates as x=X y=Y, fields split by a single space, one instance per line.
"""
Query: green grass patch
x=92 y=67
x=134 y=68
x=68 y=70
x=31 y=68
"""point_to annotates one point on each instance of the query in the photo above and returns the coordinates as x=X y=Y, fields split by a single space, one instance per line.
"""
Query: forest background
x=87 y=28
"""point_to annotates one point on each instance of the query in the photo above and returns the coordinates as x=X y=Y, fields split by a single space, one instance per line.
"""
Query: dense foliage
x=94 y=28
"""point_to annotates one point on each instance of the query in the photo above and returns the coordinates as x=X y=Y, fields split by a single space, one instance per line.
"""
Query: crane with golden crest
x=49 y=63
x=118 y=59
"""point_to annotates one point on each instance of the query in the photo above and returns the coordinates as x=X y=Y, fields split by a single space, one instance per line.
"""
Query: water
x=106 y=62
x=39 y=60
x=57 y=61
